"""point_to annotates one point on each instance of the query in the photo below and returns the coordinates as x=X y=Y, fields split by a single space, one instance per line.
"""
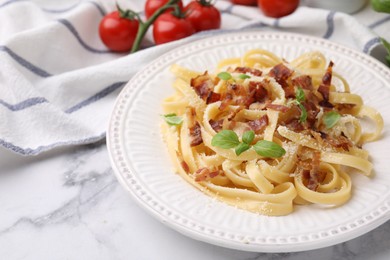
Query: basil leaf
x=242 y=147
x=248 y=137
x=225 y=139
x=300 y=95
x=303 y=116
x=244 y=76
x=224 y=75
x=269 y=149
x=330 y=119
x=172 y=119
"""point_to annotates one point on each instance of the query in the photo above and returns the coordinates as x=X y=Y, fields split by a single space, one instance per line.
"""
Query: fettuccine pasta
x=263 y=134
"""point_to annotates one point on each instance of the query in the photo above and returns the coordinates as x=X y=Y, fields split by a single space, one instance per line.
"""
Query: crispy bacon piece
x=202 y=85
x=281 y=73
x=339 y=142
x=312 y=176
x=258 y=125
x=303 y=81
x=295 y=125
x=312 y=112
x=258 y=91
x=324 y=88
x=183 y=164
x=216 y=124
x=213 y=97
x=205 y=173
x=276 y=107
x=254 y=72
x=193 y=127
x=196 y=135
x=226 y=101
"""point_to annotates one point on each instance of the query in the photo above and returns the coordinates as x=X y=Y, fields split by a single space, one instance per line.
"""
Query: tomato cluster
x=123 y=30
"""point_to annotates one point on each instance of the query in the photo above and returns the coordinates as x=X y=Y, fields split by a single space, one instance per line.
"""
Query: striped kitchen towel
x=58 y=82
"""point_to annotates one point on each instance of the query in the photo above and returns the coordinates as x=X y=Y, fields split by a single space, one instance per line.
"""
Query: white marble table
x=67 y=204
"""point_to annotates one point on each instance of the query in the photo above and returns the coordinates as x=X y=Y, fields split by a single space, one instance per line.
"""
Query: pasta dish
x=264 y=134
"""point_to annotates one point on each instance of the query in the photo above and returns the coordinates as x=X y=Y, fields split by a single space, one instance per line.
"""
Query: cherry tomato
x=278 y=8
x=151 y=6
x=203 y=15
x=244 y=2
x=118 y=33
x=169 y=27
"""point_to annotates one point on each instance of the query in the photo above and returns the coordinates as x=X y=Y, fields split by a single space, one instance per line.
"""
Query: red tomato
x=244 y=2
x=151 y=6
x=117 y=33
x=168 y=28
x=203 y=15
x=278 y=8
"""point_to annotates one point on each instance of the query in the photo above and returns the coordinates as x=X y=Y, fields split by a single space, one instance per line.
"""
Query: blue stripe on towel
x=367 y=47
x=39 y=149
x=70 y=27
x=379 y=22
x=101 y=11
x=10 y=2
x=95 y=97
x=330 y=23
x=28 y=65
x=24 y=104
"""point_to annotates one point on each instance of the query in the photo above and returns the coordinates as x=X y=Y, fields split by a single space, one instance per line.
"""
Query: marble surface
x=67 y=204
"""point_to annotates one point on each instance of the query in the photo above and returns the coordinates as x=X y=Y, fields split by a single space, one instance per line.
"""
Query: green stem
x=144 y=26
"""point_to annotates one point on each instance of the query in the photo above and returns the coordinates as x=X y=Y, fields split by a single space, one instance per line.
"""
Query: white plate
x=141 y=163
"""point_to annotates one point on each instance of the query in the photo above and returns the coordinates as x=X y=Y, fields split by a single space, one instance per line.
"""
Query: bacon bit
x=312 y=112
x=258 y=125
x=183 y=164
x=324 y=88
x=339 y=142
x=227 y=100
x=203 y=85
x=213 y=97
x=214 y=173
x=312 y=176
x=276 y=107
x=259 y=91
x=304 y=82
x=254 y=72
x=281 y=73
x=216 y=125
x=204 y=173
x=295 y=125
x=196 y=135
x=193 y=127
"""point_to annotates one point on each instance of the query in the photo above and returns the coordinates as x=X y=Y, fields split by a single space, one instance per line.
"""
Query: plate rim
x=202 y=236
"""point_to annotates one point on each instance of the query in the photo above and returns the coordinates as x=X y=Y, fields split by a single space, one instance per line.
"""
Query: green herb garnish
x=330 y=119
x=248 y=137
x=173 y=119
x=224 y=75
x=225 y=139
x=244 y=76
x=269 y=149
x=242 y=147
x=300 y=97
